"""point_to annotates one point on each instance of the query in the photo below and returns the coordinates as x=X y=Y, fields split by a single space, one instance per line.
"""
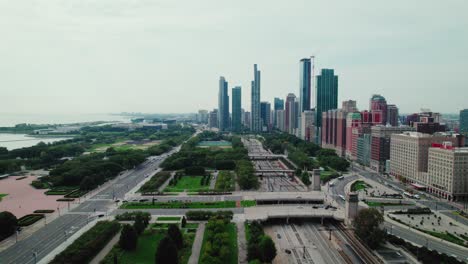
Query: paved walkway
x=214 y=176
x=241 y=242
x=162 y=187
x=106 y=250
x=197 y=244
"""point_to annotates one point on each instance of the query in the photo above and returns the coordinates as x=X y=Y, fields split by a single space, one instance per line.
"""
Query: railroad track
x=361 y=250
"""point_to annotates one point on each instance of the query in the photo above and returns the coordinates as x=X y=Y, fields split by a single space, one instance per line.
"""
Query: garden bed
x=30 y=219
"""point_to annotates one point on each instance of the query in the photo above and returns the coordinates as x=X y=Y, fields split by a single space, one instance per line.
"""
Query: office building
x=378 y=105
x=327 y=93
x=307 y=126
x=280 y=120
x=290 y=113
x=409 y=155
x=464 y=122
x=213 y=118
x=380 y=142
x=448 y=170
x=202 y=116
x=236 y=109
x=255 y=102
x=278 y=105
x=265 y=110
x=223 y=105
x=392 y=115
x=363 y=149
x=304 y=85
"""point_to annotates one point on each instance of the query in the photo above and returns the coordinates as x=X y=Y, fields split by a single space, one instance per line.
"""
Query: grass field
x=187 y=183
x=233 y=253
x=2 y=195
x=168 y=218
x=384 y=204
x=248 y=203
x=359 y=185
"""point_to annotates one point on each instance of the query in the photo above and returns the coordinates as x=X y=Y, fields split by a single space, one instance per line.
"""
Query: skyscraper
x=290 y=113
x=304 y=85
x=327 y=93
x=464 y=122
x=255 y=109
x=265 y=110
x=392 y=115
x=278 y=105
x=378 y=104
x=223 y=105
x=236 y=109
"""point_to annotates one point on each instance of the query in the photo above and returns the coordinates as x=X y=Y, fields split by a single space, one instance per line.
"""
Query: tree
x=128 y=238
x=87 y=183
x=166 y=252
x=267 y=249
x=8 y=224
x=305 y=178
x=184 y=222
x=367 y=227
x=139 y=224
x=174 y=233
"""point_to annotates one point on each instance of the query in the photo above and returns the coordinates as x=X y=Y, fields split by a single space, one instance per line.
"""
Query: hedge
x=130 y=216
x=205 y=215
x=44 y=211
x=29 y=219
x=155 y=182
x=88 y=245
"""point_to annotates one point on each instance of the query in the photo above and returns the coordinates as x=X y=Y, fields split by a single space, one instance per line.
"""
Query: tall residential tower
x=255 y=102
x=236 y=109
x=223 y=105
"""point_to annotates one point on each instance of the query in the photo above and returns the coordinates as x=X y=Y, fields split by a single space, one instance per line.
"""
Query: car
x=298 y=197
x=117 y=201
x=314 y=206
x=143 y=200
x=300 y=207
x=100 y=215
x=278 y=236
x=287 y=251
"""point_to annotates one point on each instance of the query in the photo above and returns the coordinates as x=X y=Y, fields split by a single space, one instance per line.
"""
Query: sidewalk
x=241 y=243
x=106 y=249
x=197 y=244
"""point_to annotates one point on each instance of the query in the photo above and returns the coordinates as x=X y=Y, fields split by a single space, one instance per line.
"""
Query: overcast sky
x=99 y=56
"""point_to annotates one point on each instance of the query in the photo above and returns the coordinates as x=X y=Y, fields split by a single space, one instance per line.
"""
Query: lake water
x=14 y=141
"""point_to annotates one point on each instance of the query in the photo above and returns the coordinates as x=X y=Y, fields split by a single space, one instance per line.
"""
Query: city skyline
x=76 y=56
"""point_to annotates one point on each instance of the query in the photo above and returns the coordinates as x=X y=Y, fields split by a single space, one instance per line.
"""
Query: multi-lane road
x=46 y=239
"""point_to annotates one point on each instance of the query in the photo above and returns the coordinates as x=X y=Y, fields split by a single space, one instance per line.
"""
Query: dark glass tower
x=304 y=85
x=223 y=105
x=236 y=109
x=327 y=93
x=255 y=102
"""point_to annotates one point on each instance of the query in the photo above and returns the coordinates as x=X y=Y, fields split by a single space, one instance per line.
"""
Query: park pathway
x=214 y=176
x=106 y=250
x=241 y=242
x=197 y=244
x=164 y=185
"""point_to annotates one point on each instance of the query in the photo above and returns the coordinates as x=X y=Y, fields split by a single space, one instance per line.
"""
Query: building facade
x=213 y=118
x=448 y=170
x=305 y=84
x=236 y=109
x=256 y=123
x=392 y=115
x=290 y=114
x=307 y=125
x=265 y=111
x=464 y=122
x=364 y=149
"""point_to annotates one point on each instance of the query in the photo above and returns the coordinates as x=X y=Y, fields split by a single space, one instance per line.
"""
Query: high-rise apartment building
x=265 y=110
x=223 y=105
x=247 y=118
x=236 y=109
x=448 y=170
x=202 y=116
x=278 y=104
x=305 y=90
x=409 y=155
x=326 y=96
x=280 y=120
x=255 y=102
x=464 y=122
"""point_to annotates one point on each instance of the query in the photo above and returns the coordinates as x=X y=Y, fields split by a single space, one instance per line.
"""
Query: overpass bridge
x=265 y=156
x=264 y=213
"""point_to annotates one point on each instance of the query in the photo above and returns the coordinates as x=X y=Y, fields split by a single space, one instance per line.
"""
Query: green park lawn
x=187 y=183
x=359 y=185
x=384 y=204
x=248 y=203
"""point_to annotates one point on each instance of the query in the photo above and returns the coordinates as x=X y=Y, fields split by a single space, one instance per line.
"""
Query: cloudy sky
x=99 y=56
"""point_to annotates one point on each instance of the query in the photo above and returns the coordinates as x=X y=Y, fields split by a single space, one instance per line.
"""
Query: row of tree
x=260 y=247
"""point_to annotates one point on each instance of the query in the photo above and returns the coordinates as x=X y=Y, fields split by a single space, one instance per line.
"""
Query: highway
x=57 y=231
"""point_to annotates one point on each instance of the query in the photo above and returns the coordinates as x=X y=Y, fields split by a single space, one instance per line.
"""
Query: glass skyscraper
x=255 y=102
x=327 y=94
x=265 y=110
x=236 y=109
x=304 y=85
x=223 y=105
x=464 y=123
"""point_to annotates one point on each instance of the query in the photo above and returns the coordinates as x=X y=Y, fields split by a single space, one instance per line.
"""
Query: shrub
x=128 y=238
x=8 y=223
x=195 y=170
x=29 y=219
x=174 y=233
x=205 y=215
x=131 y=216
x=44 y=211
